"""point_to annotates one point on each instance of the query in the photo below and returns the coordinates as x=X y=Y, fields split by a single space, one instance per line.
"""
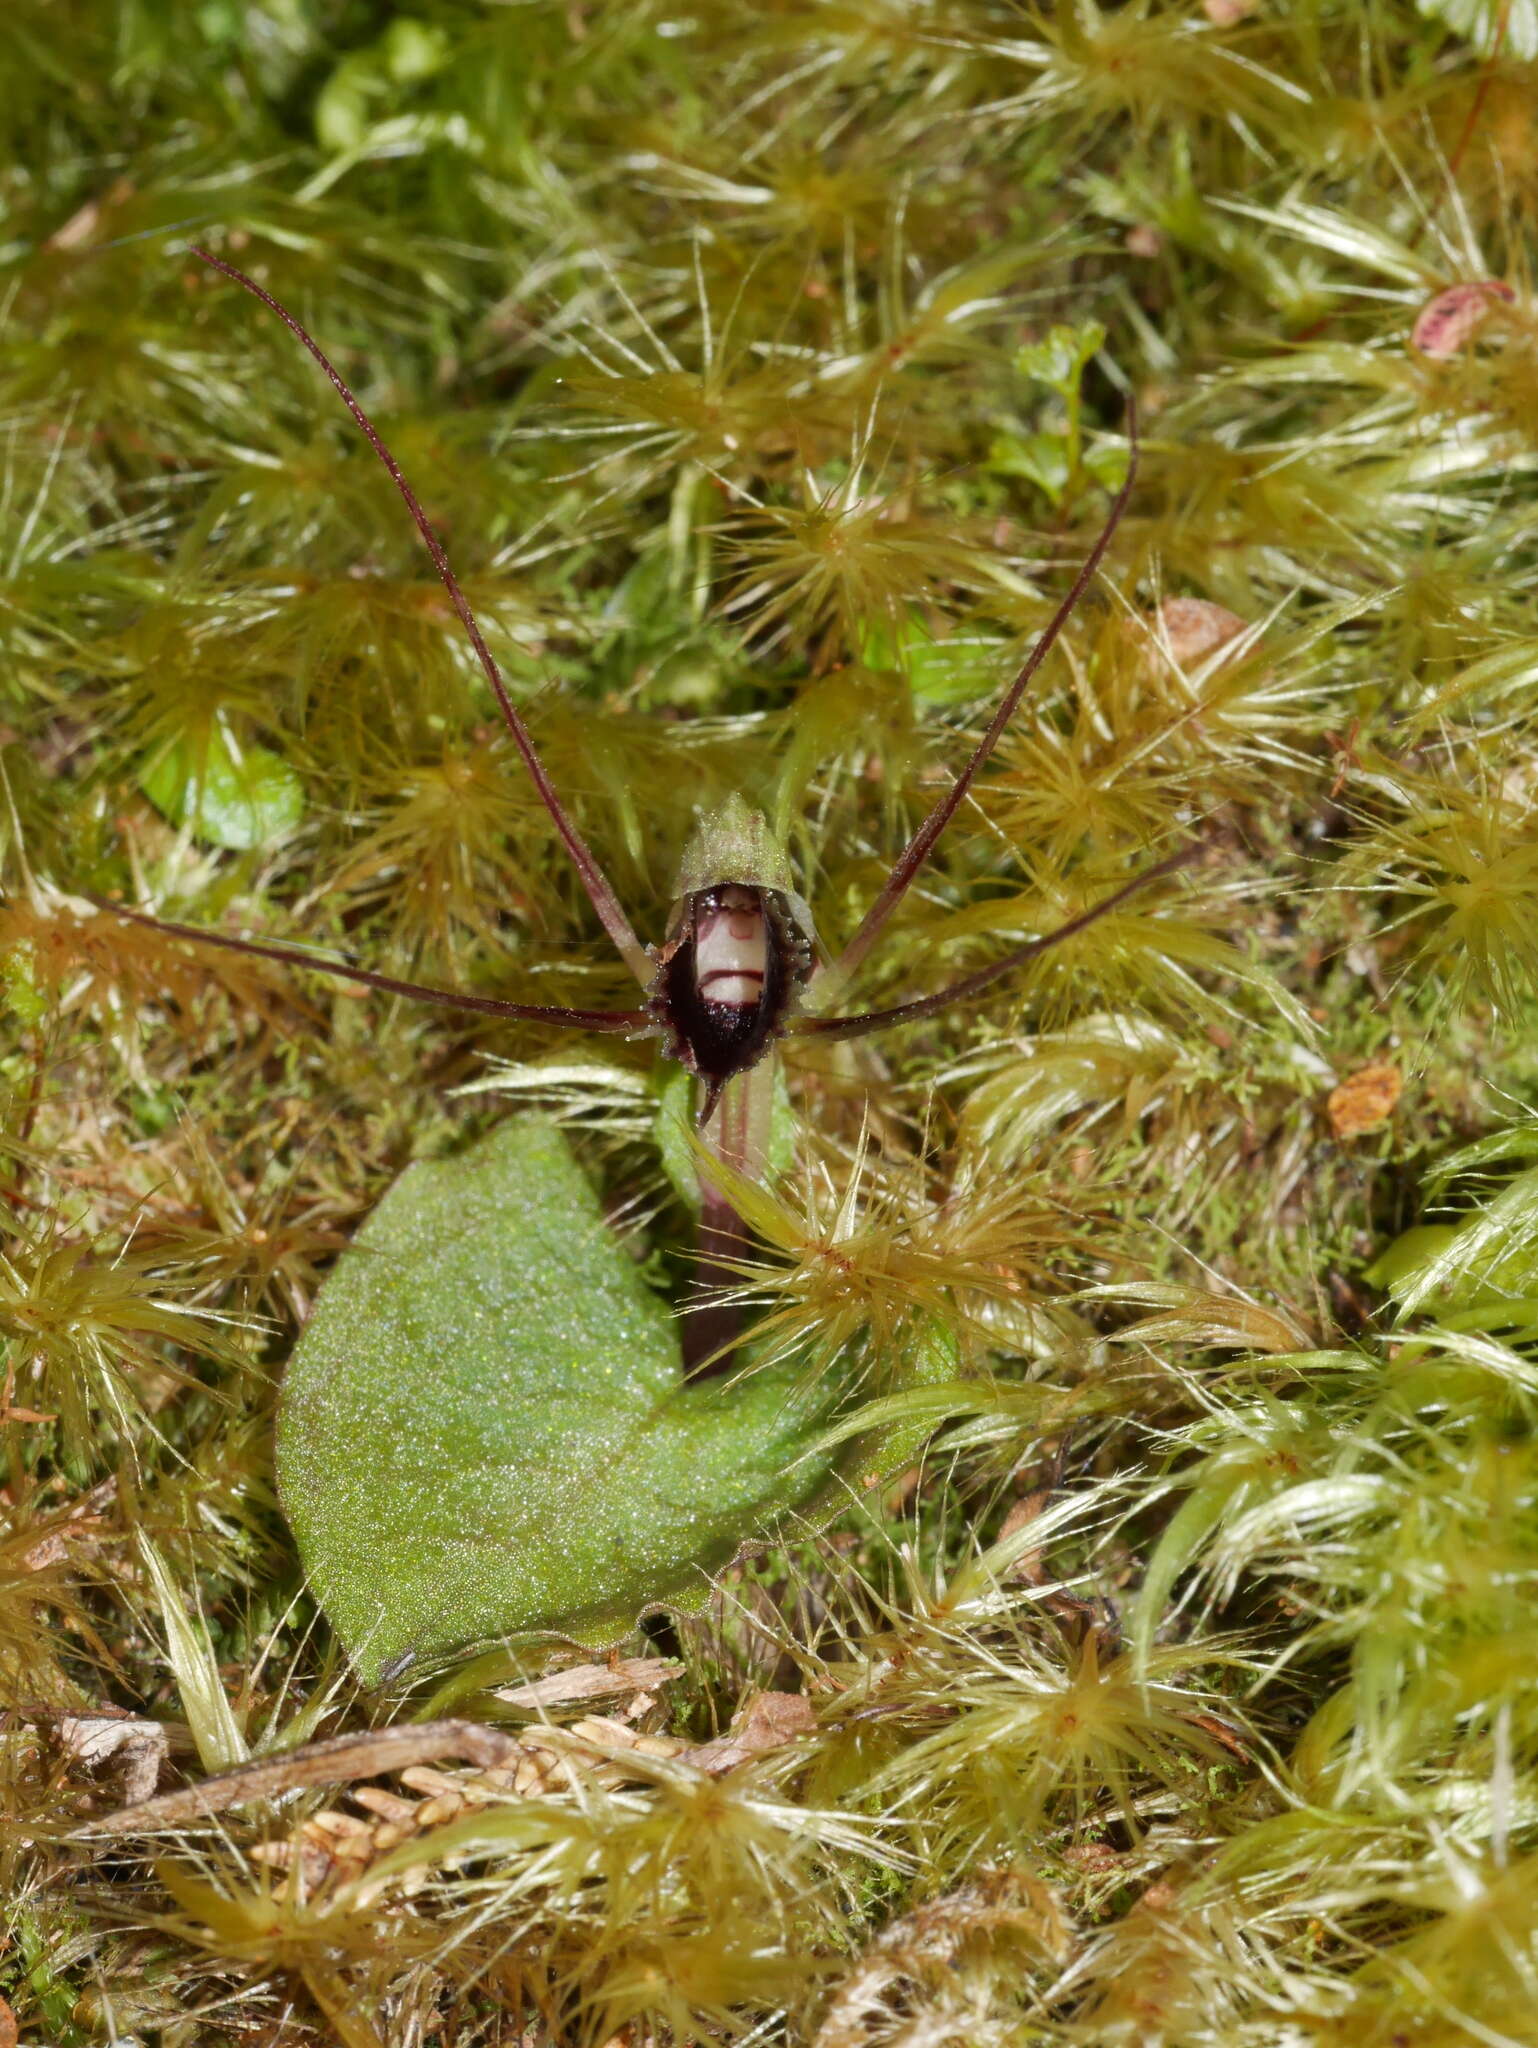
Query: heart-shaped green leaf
x=484 y=1430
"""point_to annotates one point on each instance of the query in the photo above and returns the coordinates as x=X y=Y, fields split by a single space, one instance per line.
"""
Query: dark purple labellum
x=728 y=977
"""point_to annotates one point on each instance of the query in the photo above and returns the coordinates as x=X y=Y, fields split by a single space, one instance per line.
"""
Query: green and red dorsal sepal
x=734 y=843
x=739 y=947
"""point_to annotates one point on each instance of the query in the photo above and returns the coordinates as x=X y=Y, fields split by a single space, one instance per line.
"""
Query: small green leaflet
x=225 y=794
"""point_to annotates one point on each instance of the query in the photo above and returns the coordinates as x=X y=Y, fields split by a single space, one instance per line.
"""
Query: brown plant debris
x=138 y=1748
x=590 y=1682
x=766 y=1722
x=1364 y=1100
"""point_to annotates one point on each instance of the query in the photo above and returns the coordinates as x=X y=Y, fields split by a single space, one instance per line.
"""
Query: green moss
x=735 y=353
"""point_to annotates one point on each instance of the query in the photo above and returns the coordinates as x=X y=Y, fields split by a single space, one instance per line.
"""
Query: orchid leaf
x=485 y=1433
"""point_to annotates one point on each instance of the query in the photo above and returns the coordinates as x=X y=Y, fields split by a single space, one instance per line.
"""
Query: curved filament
x=918 y=849
x=594 y=880
x=450 y=999
x=974 y=984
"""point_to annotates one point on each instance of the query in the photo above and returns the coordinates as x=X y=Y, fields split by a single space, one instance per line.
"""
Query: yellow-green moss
x=1184 y=1695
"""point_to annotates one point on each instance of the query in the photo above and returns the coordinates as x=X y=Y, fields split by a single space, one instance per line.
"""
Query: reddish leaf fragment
x=1094 y=1857
x=1230 y=1738
x=1445 y=324
x=1191 y=628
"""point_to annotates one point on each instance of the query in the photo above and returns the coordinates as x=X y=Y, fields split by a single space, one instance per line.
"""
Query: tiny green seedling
x=739 y=969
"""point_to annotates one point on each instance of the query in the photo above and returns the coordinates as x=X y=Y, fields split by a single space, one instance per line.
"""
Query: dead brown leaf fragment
x=79 y=1521
x=590 y=1682
x=1028 y=1567
x=1094 y=1857
x=138 y=1748
x=1364 y=1100
x=1220 y=1731
x=1189 y=629
x=767 y=1721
